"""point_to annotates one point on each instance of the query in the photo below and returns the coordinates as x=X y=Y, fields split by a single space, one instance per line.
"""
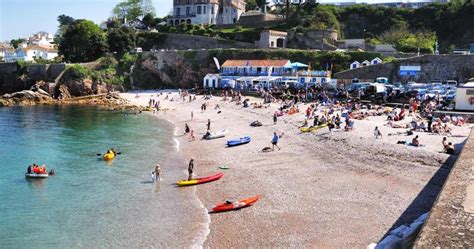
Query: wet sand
x=339 y=189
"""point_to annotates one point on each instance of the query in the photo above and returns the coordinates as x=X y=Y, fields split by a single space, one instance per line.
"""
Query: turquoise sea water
x=90 y=202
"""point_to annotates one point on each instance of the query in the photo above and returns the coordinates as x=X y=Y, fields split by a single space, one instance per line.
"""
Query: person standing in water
x=157 y=172
x=191 y=169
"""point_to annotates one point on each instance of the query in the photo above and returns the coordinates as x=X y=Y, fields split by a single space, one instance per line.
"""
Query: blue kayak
x=239 y=141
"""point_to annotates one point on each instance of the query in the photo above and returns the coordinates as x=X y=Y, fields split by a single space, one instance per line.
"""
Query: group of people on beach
x=421 y=109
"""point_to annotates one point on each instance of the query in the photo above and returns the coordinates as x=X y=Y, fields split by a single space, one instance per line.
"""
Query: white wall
x=462 y=99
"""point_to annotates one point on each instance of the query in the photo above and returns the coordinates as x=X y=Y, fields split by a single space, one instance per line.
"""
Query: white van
x=137 y=50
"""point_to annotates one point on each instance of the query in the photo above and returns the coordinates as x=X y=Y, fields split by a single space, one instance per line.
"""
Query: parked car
x=137 y=50
x=381 y=80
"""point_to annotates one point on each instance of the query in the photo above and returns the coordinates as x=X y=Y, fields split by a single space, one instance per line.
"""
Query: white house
x=365 y=63
x=375 y=61
x=465 y=97
x=206 y=11
x=30 y=54
x=355 y=65
x=211 y=81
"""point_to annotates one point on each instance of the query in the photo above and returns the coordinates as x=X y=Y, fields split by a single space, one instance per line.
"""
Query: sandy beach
x=322 y=189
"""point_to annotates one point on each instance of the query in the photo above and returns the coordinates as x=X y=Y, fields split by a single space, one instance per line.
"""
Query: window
x=225 y=10
x=178 y=11
x=188 y=1
x=187 y=10
x=204 y=9
x=198 y=10
x=212 y=10
x=234 y=10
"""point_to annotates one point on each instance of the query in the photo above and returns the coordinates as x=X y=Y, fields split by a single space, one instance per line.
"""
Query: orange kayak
x=227 y=206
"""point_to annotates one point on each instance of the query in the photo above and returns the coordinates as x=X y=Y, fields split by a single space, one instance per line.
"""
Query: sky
x=22 y=18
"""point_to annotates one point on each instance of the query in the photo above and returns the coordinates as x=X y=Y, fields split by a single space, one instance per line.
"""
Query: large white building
x=255 y=74
x=29 y=53
x=206 y=11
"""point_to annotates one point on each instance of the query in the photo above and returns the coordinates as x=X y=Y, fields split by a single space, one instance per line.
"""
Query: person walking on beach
x=275 y=141
x=208 y=124
x=191 y=169
x=377 y=132
x=275 y=118
x=192 y=135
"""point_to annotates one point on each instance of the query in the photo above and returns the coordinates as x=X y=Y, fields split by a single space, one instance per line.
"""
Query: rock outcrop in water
x=26 y=97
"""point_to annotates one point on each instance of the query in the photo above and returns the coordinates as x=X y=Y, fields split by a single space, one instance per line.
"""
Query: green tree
x=121 y=40
x=149 y=21
x=64 y=22
x=133 y=10
x=83 y=41
x=113 y=23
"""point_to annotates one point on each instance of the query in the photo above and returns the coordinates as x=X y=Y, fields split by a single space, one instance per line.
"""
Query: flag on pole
x=217 y=63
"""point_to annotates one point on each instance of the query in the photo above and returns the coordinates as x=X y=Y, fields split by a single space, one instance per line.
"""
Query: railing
x=304 y=74
x=185 y=16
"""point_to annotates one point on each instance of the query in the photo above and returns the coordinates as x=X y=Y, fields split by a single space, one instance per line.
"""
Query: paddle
x=116 y=153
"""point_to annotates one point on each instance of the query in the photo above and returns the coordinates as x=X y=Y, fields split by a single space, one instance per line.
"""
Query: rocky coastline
x=77 y=92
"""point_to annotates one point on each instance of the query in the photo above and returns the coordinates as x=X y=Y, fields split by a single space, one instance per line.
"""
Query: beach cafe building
x=256 y=74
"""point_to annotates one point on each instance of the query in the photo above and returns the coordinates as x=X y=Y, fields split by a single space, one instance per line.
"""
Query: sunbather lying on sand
x=394 y=125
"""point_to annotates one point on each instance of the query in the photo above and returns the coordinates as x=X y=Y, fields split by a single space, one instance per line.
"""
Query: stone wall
x=451 y=220
x=433 y=67
x=183 y=41
x=321 y=39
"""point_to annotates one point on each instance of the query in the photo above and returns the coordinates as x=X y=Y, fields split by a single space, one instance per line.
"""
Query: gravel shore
x=322 y=189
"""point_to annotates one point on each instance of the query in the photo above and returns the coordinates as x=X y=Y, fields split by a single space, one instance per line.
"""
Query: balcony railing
x=185 y=15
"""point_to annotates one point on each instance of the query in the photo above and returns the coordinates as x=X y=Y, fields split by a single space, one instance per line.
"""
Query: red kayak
x=200 y=180
x=227 y=206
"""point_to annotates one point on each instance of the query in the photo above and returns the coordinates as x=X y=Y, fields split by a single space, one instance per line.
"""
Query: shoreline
x=340 y=194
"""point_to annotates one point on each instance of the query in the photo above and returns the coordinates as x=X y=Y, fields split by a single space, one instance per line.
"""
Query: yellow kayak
x=312 y=128
x=108 y=156
x=200 y=180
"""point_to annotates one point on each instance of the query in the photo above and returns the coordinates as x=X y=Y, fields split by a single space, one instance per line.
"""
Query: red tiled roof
x=255 y=63
x=36 y=47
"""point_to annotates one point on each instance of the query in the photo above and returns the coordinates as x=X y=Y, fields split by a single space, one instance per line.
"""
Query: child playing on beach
x=377 y=132
x=186 y=128
x=415 y=141
x=190 y=169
